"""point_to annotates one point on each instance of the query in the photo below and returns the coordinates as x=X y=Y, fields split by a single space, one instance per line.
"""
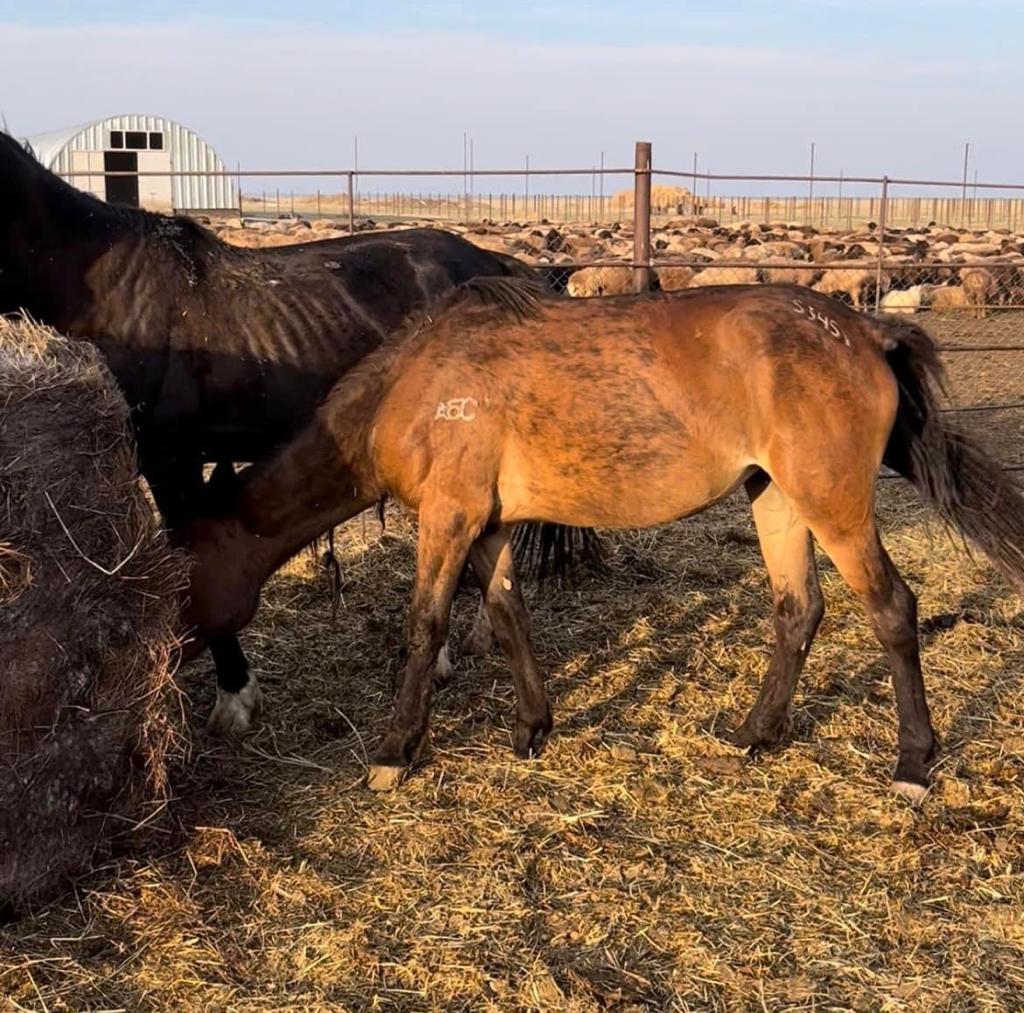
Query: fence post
x=351 y=208
x=642 y=217
x=883 y=206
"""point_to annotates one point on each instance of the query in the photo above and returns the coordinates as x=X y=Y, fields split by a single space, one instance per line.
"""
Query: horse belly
x=645 y=486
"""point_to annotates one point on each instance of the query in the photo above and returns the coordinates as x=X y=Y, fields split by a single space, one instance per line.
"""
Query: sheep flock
x=934 y=267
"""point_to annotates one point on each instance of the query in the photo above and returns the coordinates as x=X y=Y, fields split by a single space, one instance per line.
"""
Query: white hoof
x=384 y=778
x=443 y=670
x=235 y=713
x=913 y=793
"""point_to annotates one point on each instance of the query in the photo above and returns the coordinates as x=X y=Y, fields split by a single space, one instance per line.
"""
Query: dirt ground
x=641 y=863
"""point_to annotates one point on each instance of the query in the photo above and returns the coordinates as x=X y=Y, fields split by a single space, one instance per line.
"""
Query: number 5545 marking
x=826 y=321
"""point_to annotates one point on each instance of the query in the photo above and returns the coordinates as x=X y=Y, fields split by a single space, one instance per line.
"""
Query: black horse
x=222 y=353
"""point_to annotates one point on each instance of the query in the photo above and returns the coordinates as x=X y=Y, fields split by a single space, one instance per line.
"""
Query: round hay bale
x=88 y=609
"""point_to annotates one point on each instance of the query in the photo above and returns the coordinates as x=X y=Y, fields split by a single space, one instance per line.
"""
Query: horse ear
x=3 y=116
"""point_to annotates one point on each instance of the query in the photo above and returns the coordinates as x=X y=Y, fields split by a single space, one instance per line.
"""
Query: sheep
x=822 y=249
x=851 y=282
x=783 y=272
x=775 y=249
x=591 y=281
x=948 y=297
x=904 y=301
x=725 y=276
x=671 y=279
x=979 y=286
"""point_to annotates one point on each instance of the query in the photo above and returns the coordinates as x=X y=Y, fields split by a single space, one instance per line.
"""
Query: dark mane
x=491 y=299
x=176 y=231
x=503 y=299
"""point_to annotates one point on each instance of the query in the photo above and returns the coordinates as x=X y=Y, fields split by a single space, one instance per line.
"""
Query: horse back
x=592 y=399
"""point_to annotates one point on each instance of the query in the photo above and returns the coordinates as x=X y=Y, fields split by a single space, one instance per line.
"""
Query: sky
x=879 y=87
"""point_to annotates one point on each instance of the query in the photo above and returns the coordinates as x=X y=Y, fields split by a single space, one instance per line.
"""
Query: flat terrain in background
x=640 y=863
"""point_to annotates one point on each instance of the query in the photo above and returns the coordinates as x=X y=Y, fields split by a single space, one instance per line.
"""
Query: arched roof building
x=138 y=144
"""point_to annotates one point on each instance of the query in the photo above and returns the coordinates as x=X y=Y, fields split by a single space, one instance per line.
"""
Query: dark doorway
x=122 y=189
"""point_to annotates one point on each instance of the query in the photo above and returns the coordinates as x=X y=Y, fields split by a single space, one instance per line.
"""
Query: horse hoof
x=529 y=738
x=235 y=713
x=443 y=669
x=749 y=736
x=381 y=778
x=913 y=792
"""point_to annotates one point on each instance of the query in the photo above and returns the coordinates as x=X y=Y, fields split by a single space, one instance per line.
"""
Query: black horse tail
x=556 y=551
x=513 y=267
x=551 y=278
x=967 y=488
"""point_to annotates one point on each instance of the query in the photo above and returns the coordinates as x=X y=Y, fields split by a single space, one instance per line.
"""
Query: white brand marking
x=458 y=409
x=827 y=322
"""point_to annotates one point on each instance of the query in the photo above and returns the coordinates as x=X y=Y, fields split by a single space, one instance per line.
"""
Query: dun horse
x=222 y=353
x=626 y=413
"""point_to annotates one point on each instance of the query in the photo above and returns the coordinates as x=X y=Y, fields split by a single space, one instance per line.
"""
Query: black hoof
x=529 y=737
x=756 y=737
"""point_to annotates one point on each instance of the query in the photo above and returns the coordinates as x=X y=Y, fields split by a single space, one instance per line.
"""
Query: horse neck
x=50 y=235
x=323 y=477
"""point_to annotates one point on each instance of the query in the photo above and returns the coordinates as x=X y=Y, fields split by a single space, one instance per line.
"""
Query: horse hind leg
x=493 y=560
x=892 y=610
x=788 y=553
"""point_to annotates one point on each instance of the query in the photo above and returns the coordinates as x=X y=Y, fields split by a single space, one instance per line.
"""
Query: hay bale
x=88 y=608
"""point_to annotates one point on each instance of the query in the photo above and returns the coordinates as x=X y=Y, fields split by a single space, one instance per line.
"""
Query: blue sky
x=879 y=87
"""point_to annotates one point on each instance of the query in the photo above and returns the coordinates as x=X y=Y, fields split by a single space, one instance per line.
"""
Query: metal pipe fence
x=889 y=244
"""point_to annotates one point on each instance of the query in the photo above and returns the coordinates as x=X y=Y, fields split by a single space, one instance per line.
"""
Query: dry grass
x=640 y=863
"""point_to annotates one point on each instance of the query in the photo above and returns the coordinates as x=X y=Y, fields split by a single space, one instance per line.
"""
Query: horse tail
x=968 y=489
x=512 y=267
x=552 y=278
x=556 y=551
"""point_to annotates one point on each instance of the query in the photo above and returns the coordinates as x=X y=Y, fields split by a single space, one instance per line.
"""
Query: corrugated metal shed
x=188 y=151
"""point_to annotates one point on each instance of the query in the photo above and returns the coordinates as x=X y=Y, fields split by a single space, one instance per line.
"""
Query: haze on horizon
x=748 y=85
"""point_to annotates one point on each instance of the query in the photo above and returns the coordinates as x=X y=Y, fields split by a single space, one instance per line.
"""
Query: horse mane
x=502 y=298
x=183 y=235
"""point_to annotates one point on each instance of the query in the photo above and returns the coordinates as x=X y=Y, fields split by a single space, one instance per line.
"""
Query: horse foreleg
x=176 y=484
x=789 y=557
x=239 y=698
x=179 y=493
x=492 y=559
x=445 y=537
